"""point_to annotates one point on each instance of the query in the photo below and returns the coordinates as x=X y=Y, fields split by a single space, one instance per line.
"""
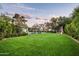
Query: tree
x=5 y=27
x=35 y=28
x=62 y=21
x=75 y=13
x=12 y=27
x=48 y=27
x=59 y=23
x=73 y=28
x=20 y=24
x=54 y=23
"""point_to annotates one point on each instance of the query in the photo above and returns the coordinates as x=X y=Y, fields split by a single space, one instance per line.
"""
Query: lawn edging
x=73 y=39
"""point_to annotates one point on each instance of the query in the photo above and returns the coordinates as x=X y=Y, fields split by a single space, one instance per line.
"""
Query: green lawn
x=48 y=44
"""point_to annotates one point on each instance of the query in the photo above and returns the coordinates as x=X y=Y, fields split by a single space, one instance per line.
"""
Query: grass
x=48 y=44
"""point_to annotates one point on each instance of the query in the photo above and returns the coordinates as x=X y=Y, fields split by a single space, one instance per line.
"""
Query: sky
x=39 y=12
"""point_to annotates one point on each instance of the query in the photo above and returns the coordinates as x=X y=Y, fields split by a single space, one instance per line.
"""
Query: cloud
x=27 y=16
x=38 y=18
x=22 y=7
x=32 y=18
